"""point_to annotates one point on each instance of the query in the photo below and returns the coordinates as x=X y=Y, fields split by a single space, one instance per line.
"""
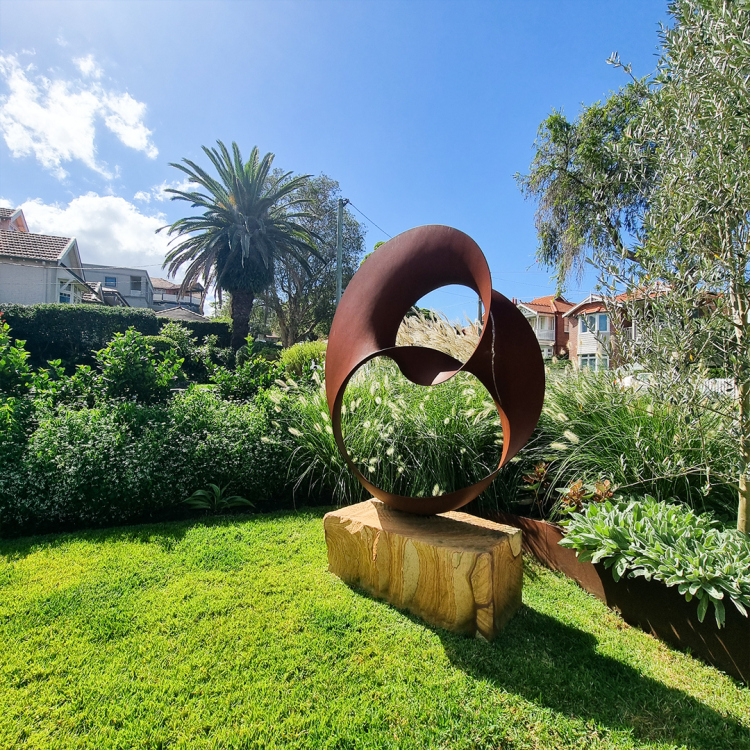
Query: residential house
x=37 y=268
x=13 y=220
x=546 y=315
x=593 y=333
x=167 y=295
x=133 y=284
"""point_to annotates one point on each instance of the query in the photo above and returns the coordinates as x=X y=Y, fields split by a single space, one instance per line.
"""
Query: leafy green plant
x=216 y=499
x=667 y=543
x=15 y=370
x=249 y=378
x=300 y=357
x=161 y=343
x=131 y=369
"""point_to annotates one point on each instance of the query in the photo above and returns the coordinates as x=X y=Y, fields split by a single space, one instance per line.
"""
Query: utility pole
x=339 y=247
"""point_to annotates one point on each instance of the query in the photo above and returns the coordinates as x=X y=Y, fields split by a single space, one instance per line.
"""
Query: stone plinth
x=453 y=570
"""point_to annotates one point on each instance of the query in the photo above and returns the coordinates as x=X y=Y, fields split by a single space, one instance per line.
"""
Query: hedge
x=202 y=328
x=73 y=332
x=122 y=461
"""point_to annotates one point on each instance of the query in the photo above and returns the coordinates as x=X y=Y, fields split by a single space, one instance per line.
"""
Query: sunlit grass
x=230 y=633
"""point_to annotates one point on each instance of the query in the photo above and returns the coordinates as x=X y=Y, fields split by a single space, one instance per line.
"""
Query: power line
x=390 y=236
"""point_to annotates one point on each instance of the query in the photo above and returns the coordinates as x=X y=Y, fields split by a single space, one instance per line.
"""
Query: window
x=110 y=281
x=587 y=361
x=602 y=322
x=65 y=298
x=546 y=323
x=566 y=325
x=583 y=324
x=135 y=284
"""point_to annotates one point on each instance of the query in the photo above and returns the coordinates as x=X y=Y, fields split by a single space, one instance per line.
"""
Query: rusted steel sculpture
x=507 y=360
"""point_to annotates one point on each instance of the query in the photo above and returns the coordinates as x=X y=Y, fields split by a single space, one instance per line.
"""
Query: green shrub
x=15 y=371
x=72 y=333
x=161 y=344
x=202 y=328
x=253 y=349
x=131 y=369
x=301 y=357
x=250 y=377
x=123 y=461
x=669 y=544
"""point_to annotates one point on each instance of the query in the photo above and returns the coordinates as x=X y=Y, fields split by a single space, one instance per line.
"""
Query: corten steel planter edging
x=649 y=605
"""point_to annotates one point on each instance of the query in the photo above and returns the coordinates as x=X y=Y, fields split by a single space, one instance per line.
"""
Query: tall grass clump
x=593 y=429
x=404 y=438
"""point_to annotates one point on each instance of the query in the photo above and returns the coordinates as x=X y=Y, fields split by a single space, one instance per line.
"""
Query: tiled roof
x=180 y=313
x=32 y=246
x=549 y=304
x=171 y=285
x=6 y=213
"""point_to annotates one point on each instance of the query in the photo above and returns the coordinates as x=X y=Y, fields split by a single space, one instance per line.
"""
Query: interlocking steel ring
x=507 y=359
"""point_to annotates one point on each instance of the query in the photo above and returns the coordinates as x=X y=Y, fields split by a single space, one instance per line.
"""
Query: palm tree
x=249 y=218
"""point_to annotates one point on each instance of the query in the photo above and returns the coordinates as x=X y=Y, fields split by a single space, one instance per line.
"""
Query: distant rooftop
x=32 y=246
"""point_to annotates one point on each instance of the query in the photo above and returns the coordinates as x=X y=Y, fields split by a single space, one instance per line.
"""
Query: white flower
x=436 y=489
x=558 y=446
x=572 y=436
x=389 y=451
x=295 y=432
x=378 y=400
x=446 y=420
x=329 y=429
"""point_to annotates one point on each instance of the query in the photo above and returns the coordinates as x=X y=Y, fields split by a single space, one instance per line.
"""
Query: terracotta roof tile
x=549 y=304
x=6 y=213
x=32 y=246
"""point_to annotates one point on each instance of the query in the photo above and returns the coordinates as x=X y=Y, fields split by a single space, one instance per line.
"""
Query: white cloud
x=55 y=120
x=159 y=192
x=88 y=66
x=110 y=230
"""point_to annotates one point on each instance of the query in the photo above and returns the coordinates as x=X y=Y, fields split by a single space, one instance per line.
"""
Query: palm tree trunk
x=242 y=306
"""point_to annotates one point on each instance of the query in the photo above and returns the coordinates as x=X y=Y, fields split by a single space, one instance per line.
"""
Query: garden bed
x=649 y=605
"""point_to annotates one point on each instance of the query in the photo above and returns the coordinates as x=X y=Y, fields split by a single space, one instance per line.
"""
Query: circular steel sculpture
x=507 y=360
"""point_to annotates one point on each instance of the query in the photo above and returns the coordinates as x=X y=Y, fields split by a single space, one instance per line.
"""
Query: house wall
x=573 y=341
x=561 y=337
x=24 y=282
x=144 y=298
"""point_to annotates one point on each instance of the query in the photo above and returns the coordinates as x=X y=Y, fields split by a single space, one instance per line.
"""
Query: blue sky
x=423 y=111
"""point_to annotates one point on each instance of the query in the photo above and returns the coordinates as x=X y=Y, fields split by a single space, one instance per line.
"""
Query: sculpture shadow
x=559 y=667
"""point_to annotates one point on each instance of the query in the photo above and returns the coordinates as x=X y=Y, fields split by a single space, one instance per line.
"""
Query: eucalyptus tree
x=303 y=303
x=248 y=218
x=653 y=187
x=588 y=200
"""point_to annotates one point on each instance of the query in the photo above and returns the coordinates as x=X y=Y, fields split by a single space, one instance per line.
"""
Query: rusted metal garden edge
x=648 y=605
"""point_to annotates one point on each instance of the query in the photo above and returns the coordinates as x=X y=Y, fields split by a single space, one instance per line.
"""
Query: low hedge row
x=123 y=461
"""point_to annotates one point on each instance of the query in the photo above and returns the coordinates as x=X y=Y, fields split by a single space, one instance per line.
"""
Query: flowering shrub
x=122 y=461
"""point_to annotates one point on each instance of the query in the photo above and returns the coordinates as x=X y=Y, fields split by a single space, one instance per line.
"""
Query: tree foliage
x=249 y=219
x=303 y=297
x=665 y=165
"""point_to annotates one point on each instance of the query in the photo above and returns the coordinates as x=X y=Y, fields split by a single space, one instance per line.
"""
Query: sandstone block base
x=453 y=570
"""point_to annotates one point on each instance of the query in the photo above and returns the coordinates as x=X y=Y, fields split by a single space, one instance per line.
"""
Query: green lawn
x=231 y=633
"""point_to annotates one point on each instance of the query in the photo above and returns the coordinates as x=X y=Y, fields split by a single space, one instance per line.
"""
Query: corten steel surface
x=507 y=360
